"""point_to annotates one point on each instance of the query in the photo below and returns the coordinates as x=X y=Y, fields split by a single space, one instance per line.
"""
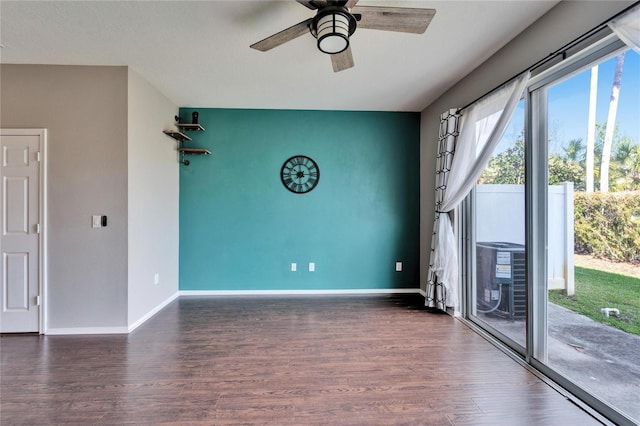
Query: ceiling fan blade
x=283 y=36
x=350 y=4
x=343 y=60
x=313 y=4
x=400 y=19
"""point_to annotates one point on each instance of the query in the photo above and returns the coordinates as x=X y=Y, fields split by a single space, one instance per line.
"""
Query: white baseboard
x=298 y=292
x=86 y=330
x=154 y=311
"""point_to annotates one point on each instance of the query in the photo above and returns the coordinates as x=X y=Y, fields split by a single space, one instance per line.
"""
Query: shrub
x=607 y=225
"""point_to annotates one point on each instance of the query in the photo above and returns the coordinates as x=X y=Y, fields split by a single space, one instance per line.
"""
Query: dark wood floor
x=298 y=360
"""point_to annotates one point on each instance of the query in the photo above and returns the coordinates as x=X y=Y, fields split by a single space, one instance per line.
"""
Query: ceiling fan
x=337 y=20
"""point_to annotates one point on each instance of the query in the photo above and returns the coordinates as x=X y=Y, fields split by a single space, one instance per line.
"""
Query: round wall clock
x=300 y=174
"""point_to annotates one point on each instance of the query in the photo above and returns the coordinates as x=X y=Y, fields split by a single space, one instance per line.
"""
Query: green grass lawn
x=598 y=289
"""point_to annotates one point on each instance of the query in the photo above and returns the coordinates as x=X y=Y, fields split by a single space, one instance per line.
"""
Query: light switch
x=398 y=266
x=294 y=267
x=312 y=266
x=96 y=221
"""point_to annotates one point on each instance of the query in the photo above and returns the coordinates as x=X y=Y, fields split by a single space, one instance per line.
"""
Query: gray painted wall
x=562 y=24
x=153 y=199
x=85 y=110
x=106 y=155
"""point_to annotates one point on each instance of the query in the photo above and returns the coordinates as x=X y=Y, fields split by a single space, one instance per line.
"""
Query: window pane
x=593 y=312
x=499 y=288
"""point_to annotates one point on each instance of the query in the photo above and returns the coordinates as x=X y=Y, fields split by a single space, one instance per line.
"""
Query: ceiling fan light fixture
x=332 y=28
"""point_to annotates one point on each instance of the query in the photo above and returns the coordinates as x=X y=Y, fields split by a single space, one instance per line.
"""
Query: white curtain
x=627 y=28
x=462 y=156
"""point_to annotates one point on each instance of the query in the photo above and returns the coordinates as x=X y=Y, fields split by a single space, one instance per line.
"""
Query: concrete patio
x=601 y=359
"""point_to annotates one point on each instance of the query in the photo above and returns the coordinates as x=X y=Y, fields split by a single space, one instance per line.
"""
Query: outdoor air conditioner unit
x=501 y=279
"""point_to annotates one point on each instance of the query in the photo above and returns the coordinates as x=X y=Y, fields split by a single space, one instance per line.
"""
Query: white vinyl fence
x=500 y=217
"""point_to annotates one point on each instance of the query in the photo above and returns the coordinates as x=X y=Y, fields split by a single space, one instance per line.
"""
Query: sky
x=569 y=101
x=568 y=107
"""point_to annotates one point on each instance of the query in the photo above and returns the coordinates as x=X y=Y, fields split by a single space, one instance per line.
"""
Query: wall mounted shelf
x=182 y=138
x=195 y=151
x=179 y=136
x=190 y=127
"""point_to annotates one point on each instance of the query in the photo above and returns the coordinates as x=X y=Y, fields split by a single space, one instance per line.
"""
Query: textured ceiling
x=197 y=52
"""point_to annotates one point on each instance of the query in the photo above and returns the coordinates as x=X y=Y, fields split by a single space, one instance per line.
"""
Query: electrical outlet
x=398 y=266
x=312 y=266
x=294 y=267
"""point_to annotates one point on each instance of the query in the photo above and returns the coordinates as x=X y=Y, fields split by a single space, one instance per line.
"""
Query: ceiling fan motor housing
x=332 y=26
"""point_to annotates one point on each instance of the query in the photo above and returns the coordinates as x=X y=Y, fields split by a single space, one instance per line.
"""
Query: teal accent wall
x=240 y=228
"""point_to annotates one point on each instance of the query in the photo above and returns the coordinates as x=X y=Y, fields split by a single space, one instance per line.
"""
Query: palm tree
x=574 y=151
x=611 y=123
x=624 y=149
x=591 y=129
x=627 y=165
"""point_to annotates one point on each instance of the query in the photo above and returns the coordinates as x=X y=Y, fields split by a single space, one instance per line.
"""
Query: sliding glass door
x=592 y=152
x=553 y=230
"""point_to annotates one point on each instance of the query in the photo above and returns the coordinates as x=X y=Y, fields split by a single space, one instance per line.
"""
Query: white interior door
x=21 y=242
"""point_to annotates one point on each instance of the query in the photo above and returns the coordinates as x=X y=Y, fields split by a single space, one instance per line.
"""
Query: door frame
x=42 y=214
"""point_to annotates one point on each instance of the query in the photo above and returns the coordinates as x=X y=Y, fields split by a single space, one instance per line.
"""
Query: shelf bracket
x=182 y=159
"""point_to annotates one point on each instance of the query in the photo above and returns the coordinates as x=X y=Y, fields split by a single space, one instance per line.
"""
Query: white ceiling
x=197 y=52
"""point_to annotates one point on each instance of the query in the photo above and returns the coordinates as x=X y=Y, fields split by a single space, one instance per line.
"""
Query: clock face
x=300 y=174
